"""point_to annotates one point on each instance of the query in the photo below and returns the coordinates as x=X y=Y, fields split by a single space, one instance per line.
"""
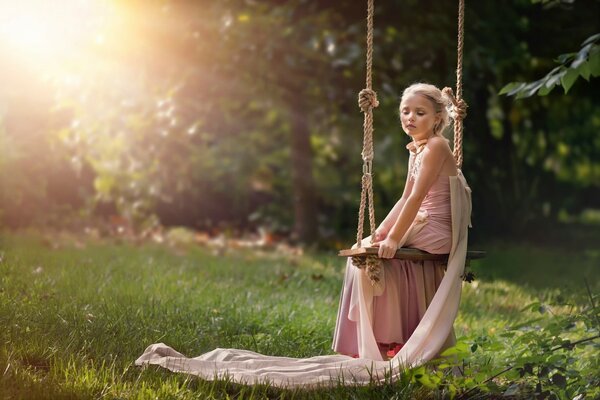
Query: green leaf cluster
x=546 y=357
x=585 y=64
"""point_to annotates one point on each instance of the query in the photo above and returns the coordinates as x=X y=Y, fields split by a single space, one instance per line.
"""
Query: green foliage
x=585 y=64
x=545 y=357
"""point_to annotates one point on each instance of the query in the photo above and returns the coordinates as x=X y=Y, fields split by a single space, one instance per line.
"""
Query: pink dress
x=409 y=285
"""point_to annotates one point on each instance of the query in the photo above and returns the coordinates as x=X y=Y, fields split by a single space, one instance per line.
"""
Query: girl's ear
x=438 y=122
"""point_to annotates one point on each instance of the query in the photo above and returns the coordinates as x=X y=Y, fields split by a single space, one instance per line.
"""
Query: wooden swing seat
x=406 y=253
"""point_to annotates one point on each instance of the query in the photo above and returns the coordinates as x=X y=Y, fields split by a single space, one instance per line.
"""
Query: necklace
x=416 y=147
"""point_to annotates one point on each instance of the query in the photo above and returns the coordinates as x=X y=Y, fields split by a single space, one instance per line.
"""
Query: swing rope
x=366 y=195
x=370 y=102
x=458 y=118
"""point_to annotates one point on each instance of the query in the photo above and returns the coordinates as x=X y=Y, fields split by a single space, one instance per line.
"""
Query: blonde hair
x=439 y=99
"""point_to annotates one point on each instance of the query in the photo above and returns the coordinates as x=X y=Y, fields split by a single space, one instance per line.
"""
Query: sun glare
x=47 y=31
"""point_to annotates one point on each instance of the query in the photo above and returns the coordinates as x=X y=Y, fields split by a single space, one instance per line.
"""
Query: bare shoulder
x=439 y=146
x=438 y=142
x=439 y=150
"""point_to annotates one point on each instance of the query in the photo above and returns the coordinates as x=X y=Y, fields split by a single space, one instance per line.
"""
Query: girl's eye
x=421 y=113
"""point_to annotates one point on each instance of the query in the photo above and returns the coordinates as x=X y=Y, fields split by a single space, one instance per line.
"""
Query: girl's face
x=418 y=116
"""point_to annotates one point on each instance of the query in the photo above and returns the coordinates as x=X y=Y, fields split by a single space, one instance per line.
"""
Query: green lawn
x=76 y=313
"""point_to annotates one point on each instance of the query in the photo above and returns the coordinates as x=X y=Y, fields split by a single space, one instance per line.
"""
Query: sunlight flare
x=51 y=32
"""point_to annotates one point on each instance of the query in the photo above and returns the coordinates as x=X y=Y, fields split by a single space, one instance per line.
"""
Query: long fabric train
x=424 y=344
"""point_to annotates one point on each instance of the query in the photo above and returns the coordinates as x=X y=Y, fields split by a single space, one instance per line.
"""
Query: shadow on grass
x=32 y=379
x=540 y=267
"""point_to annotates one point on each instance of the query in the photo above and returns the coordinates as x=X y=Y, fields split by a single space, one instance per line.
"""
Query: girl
x=420 y=219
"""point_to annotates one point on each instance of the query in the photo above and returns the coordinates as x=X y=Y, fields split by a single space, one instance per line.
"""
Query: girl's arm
x=434 y=156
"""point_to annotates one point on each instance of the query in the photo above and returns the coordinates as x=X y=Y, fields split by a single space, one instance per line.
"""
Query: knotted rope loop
x=459 y=106
x=372 y=266
x=367 y=100
x=367 y=179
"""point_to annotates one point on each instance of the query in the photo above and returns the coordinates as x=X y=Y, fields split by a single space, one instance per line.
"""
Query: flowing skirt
x=409 y=289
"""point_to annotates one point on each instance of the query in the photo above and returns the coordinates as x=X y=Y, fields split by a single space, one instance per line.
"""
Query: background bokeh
x=242 y=115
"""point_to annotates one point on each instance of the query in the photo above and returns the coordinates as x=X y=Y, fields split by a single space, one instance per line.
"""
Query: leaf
x=530 y=89
x=545 y=89
x=511 y=88
x=569 y=79
x=594 y=62
x=418 y=372
x=564 y=58
x=452 y=389
x=555 y=358
x=427 y=380
x=459 y=348
x=585 y=71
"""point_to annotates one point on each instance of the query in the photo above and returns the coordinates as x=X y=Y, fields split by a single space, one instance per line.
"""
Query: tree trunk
x=303 y=186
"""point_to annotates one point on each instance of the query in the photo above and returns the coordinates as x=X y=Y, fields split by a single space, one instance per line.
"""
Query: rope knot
x=367 y=100
x=458 y=110
x=372 y=265
x=367 y=178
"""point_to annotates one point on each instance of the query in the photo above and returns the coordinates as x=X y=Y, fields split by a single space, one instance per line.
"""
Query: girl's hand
x=387 y=247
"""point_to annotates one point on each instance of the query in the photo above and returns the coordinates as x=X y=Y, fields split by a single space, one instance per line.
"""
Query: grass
x=76 y=314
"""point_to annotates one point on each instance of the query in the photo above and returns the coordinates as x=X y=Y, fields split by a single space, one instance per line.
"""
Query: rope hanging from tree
x=371 y=263
x=366 y=194
x=458 y=118
x=367 y=102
